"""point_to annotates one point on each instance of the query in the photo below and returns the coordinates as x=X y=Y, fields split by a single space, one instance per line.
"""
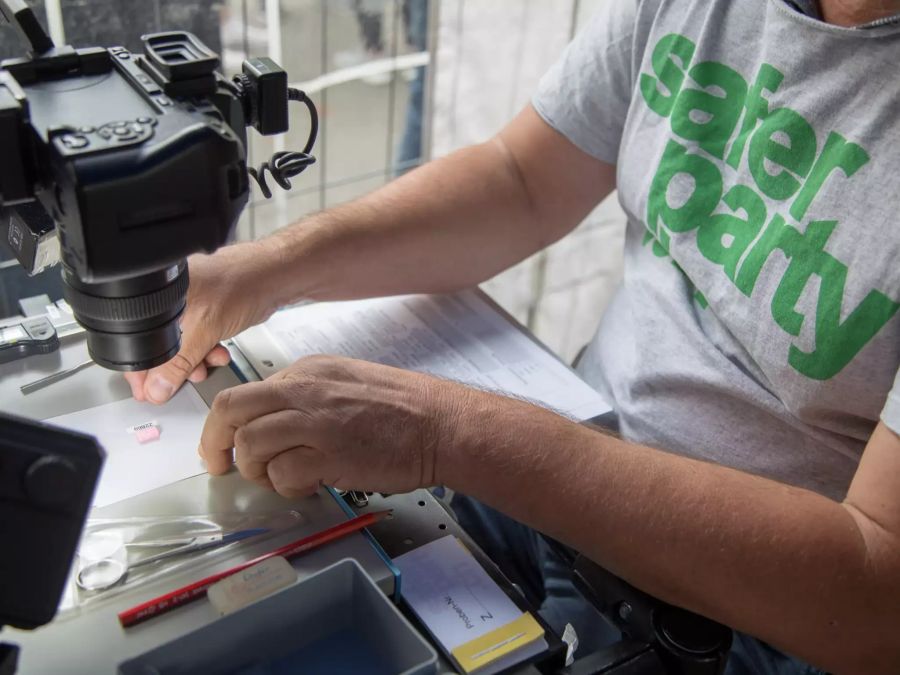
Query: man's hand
x=227 y=294
x=340 y=422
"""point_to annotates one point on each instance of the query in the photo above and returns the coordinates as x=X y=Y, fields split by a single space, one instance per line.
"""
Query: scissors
x=113 y=567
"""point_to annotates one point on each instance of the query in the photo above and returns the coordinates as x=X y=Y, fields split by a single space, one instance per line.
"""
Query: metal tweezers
x=55 y=377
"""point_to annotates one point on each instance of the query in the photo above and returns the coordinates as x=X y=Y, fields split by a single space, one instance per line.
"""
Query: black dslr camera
x=132 y=162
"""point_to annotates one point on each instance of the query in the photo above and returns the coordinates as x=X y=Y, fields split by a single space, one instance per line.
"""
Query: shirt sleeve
x=890 y=415
x=586 y=94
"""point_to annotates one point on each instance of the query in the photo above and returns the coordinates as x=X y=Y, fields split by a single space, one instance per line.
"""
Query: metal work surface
x=203 y=494
x=417 y=519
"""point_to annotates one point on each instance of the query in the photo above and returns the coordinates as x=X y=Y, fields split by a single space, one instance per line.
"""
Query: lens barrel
x=131 y=323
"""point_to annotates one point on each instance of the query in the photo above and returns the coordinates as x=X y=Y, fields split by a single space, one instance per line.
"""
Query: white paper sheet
x=456 y=599
x=458 y=337
x=132 y=468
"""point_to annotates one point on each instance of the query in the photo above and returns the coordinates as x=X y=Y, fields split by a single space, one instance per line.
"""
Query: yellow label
x=499 y=642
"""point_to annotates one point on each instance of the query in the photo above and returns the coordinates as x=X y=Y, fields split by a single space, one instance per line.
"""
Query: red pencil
x=184 y=595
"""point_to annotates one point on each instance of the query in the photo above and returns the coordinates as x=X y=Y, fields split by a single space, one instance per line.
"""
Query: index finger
x=136 y=381
x=231 y=409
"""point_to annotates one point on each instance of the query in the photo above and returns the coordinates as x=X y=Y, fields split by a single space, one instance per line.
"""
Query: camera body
x=139 y=160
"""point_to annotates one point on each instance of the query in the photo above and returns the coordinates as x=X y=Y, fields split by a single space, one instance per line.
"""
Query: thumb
x=163 y=381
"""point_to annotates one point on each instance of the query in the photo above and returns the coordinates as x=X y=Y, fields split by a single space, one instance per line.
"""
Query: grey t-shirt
x=758 y=163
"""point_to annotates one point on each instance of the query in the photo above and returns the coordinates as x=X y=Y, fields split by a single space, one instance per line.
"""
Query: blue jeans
x=532 y=564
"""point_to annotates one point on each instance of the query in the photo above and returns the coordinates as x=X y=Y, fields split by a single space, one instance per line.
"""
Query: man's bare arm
x=450 y=224
x=816 y=578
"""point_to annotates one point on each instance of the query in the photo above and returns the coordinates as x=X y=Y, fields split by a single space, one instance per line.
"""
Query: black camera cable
x=287 y=164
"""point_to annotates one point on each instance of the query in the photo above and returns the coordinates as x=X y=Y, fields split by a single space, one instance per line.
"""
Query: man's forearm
x=780 y=563
x=450 y=224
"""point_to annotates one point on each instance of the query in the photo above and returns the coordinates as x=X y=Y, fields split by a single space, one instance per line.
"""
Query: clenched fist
x=335 y=421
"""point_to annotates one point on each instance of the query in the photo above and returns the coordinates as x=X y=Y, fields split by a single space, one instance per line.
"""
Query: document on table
x=465 y=610
x=459 y=337
x=133 y=467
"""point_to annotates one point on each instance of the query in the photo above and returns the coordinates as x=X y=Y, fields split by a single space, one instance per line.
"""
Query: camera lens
x=131 y=323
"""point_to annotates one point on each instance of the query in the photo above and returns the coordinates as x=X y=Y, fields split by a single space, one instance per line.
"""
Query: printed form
x=458 y=337
x=461 y=605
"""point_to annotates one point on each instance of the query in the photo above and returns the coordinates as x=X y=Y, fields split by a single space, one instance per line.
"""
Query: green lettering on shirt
x=756 y=107
x=723 y=238
x=794 y=159
x=808 y=258
x=837 y=154
x=837 y=342
x=720 y=113
x=669 y=72
x=707 y=190
x=705 y=103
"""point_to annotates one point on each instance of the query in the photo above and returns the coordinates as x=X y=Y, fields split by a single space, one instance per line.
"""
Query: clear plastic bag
x=116 y=555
